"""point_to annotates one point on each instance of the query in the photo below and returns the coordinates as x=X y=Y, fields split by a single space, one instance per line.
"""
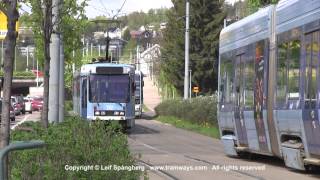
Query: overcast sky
x=110 y=7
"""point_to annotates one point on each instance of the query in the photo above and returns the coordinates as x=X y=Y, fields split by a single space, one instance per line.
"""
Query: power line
x=98 y=9
x=124 y=2
x=104 y=7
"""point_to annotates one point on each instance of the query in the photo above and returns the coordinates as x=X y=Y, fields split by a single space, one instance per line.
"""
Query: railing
x=18 y=145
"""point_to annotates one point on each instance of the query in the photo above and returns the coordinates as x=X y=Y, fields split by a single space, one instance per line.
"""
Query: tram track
x=168 y=175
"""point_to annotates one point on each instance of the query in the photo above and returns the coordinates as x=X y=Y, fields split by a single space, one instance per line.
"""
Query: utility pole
x=190 y=71
x=99 y=50
x=27 y=69
x=61 y=82
x=2 y=61
x=138 y=58
x=91 y=46
x=53 y=114
x=37 y=73
x=15 y=58
x=186 y=65
x=107 y=44
x=73 y=64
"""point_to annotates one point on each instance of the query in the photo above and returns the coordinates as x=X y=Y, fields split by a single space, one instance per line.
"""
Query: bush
x=68 y=105
x=200 y=110
x=74 y=142
x=21 y=74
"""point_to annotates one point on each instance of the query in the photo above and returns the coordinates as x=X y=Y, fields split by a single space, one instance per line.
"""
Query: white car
x=28 y=105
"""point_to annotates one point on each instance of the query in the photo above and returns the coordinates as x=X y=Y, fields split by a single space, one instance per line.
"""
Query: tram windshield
x=111 y=88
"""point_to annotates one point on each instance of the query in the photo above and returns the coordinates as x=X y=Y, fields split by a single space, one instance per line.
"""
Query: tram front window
x=111 y=88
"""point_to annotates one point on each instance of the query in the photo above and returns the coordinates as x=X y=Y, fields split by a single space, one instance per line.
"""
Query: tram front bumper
x=109 y=118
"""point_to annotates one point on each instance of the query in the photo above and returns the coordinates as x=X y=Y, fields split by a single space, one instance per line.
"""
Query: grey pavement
x=159 y=145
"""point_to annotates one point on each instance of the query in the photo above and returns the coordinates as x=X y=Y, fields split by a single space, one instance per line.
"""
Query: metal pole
x=15 y=58
x=61 y=82
x=37 y=73
x=87 y=48
x=53 y=114
x=99 y=50
x=73 y=64
x=190 y=82
x=2 y=52
x=91 y=49
x=27 y=58
x=111 y=56
x=107 y=46
x=138 y=58
x=186 y=67
x=33 y=60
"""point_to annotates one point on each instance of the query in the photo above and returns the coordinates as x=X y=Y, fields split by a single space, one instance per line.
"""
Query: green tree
x=71 y=26
x=9 y=8
x=126 y=35
x=206 y=21
x=254 y=5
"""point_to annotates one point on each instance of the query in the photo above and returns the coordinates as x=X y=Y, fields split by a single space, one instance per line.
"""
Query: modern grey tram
x=269 y=83
x=138 y=93
x=105 y=91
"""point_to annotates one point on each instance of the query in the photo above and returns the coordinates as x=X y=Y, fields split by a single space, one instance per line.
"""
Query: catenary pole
x=186 y=67
x=53 y=114
x=61 y=82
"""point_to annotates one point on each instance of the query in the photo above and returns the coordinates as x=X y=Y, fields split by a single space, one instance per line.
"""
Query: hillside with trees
x=206 y=22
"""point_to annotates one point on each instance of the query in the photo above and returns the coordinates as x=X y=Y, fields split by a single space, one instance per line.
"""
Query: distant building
x=142 y=37
x=114 y=33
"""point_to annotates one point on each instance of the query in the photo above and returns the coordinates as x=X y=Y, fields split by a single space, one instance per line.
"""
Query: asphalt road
x=35 y=116
x=159 y=145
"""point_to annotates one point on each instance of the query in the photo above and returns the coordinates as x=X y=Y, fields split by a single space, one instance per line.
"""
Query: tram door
x=239 y=101
x=83 y=97
x=311 y=86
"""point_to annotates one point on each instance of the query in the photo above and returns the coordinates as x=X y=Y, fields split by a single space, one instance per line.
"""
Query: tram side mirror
x=238 y=89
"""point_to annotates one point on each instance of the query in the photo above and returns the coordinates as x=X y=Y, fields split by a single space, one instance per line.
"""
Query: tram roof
x=86 y=68
x=247 y=30
x=295 y=13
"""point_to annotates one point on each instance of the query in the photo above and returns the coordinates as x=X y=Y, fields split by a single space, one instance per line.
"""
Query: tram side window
x=288 y=74
x=226 y=82
x=282 y=75
x=294 y=73
x=249 y=79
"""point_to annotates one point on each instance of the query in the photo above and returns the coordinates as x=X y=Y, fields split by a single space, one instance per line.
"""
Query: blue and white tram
x=105 y=91
x=269 y=83
x=139 y=93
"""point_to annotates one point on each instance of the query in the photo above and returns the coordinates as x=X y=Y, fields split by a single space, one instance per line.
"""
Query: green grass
x=208 y=130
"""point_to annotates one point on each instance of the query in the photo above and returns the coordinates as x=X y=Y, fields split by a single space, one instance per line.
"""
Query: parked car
x=16 y=106
x=28 y=105
x=12 y=113
x=18 y=103
x=37 y=103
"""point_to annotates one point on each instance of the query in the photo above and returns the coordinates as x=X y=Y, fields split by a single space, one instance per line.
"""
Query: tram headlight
x=103 y=113
x=97 y=113
x=122 y=113
x=116 y=113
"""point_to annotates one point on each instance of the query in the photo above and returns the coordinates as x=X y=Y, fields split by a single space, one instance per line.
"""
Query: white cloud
x=110 y=7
